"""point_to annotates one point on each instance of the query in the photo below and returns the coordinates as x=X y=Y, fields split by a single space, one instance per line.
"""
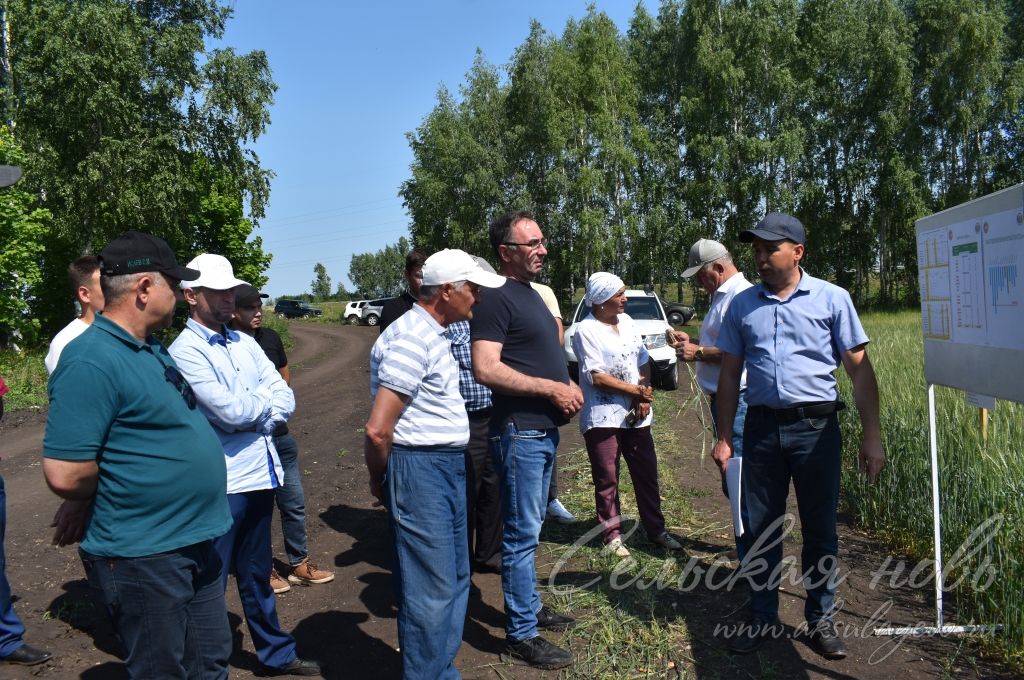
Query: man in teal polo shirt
x=123 y=431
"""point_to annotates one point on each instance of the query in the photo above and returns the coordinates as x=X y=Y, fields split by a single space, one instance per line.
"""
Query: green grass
x=622 y=632
x=977 y=482
x=25 y=375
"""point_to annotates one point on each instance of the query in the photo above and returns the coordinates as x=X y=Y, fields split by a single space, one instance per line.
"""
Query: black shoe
x=537 y=652
x=296 y=667
x=749 y=636
x=825 y=639
x=549 y=620
x=26 y=656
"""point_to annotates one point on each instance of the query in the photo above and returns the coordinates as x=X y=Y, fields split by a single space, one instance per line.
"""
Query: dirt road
x=349 y=624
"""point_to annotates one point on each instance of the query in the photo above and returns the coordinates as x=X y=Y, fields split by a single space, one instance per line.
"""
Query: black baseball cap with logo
x=134 y=252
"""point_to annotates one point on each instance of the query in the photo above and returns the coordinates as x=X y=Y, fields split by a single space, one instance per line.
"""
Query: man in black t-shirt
x=291 y=500
x=396 y=307
x=516 y=353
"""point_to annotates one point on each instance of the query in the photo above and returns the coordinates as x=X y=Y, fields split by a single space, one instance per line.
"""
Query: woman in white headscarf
x=615 y=375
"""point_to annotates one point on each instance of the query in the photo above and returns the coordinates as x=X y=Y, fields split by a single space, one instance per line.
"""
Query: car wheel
x=372 y=320
x=670 y=378
x=281 y=316
x=676 y=318
x=353 y=320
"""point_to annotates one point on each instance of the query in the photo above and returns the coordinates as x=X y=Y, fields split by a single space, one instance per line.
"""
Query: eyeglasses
x=532 y=244
x=173 y=376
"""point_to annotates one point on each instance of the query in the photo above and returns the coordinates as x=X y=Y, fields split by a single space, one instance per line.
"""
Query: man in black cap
x=792 y=331
x=152 y=466
x=291 y=500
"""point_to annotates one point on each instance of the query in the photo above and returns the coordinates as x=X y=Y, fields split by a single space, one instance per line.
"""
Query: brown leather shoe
x=307 y=574
x=277 y=583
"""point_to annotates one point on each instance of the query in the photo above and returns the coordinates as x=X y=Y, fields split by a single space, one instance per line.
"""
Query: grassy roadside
x=630 y=623
x=25 y=375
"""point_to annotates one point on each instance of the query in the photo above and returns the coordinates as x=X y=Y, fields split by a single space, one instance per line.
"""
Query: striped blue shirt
x=412 y=357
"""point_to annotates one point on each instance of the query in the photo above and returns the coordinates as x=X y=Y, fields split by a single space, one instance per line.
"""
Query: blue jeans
x=291 y=501
x=426 y=502
x=168 y=610
x=11 y=628
x=737 y=422
x=245 y=551
x=524 y=460
x=808 y=452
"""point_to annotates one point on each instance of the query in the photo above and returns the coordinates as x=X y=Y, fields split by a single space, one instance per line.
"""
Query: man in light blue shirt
x=245 y=399
x=792 y=332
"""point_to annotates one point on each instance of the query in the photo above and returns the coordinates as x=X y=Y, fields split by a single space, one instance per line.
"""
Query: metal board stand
x=938 y=628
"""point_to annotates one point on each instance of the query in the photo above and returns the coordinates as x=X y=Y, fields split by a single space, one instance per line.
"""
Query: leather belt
x=800 y=411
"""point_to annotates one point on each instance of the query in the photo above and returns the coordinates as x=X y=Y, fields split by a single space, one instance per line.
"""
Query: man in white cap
x=716 y=273
x=415 y=445
x=245 y=399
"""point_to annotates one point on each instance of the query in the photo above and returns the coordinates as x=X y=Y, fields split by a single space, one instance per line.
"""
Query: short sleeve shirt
x=516 y=316
x=792 y=347
x=162 y=477
x=601 y=349
x=412 y=357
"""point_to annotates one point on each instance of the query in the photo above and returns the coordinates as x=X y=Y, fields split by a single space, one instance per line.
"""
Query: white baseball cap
x=215 y=273
x=704 y=251
x=451 y=265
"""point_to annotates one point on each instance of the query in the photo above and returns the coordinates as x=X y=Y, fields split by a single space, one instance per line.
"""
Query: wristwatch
x=699 y=354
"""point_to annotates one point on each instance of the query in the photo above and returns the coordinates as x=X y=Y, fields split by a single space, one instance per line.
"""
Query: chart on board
x=971 y=291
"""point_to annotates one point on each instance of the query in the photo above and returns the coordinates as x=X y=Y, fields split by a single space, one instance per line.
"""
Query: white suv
x=649 y=316
x=354 y=312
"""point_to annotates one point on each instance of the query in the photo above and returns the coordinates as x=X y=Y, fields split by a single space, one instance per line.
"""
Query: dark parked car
x=295 y=309
x=678 y=313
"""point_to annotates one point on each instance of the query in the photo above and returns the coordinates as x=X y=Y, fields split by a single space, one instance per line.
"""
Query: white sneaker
x=616 y=547
x=666 y=541
x=557 y=512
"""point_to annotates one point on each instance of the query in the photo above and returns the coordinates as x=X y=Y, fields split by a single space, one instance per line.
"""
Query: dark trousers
x=291 y=501
x=168 y=610
x=11 y=628
x=635 y=444
x=245 y=551
x=808 y=452
x=483 y=497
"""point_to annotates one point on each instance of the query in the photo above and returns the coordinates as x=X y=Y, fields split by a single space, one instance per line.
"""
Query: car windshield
x=640 y=308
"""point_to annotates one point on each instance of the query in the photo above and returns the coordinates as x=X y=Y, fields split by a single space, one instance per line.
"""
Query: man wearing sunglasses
x=245 y=399
x=123 y=434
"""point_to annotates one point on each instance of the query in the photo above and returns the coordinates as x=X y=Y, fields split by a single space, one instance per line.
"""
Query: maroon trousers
x=604 y=445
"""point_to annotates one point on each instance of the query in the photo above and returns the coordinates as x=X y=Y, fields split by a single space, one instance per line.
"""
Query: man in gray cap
x=716 y=273
x=792 y=331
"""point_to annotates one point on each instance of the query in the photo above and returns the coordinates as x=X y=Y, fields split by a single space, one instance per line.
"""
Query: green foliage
x=22 y=227
x=858 y=116
x=128 y=122
x=379 y=274
x=977 y=481
x=321 y=286
x=25 y=375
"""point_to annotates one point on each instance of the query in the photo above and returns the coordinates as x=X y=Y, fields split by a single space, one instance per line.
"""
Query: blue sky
x=353 y=78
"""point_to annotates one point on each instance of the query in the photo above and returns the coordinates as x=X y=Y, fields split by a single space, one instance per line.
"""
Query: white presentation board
x=972 y=298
